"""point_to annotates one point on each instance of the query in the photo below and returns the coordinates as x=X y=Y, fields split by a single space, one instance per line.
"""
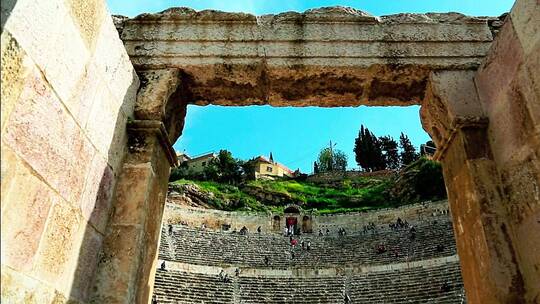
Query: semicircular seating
x=419 y=269
x=216 y=248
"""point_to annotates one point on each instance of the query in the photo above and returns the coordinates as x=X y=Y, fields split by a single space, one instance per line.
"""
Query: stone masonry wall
x=68 y=88
x=213 y=219
x=508 y=85
x=328 y=177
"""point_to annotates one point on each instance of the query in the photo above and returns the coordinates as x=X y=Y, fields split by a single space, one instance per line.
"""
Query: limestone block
x=102 y=118
x=96 y=200
x=499 y=68
x=130 y=96
x=9 y=165
x=528 y=83
x=60 y=243
x=32 y=22
x=106 y=127
x=511 y=126
x=528 y=246
x=61 y=56
x=24 y=218
x=153 y=96
x=132 y=193
x=84 y=95
x=112 y=61
x=19 y=288
x=15 y=66
x=335 y=31
x=525 y=16
x=67 y=63
x=116 y=277
x=521 y=180
x=456 y=89
x=85 y=264
x=43 y=133
x=87 y=16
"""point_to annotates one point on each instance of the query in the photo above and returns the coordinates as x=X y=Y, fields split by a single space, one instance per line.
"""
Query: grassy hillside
x=419 y=181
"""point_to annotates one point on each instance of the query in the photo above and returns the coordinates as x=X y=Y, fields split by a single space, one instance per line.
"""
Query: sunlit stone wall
x=509 y=89
x=68 y=88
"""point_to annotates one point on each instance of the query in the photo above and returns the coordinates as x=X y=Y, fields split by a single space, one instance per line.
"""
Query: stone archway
x=296 y=59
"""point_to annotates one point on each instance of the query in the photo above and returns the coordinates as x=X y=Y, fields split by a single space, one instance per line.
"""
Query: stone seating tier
x=216 y=248
x=412 y=285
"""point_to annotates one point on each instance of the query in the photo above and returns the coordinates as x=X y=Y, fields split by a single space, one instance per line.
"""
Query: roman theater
x=92 y=103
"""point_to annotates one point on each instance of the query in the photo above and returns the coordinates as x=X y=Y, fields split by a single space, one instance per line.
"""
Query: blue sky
x=295 y=135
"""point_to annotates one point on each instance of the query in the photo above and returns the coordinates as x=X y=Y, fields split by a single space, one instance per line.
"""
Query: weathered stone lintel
x=158 y=128
x=332 y=14
x=459 y=123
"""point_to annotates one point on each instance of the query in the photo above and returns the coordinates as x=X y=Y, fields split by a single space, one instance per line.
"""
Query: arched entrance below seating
x=292 y=212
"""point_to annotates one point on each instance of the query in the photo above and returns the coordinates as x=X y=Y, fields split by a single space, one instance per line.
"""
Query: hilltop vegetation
x=420 y=181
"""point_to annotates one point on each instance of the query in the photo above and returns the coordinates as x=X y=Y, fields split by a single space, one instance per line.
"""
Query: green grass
x=226 y=197
x=349 y=195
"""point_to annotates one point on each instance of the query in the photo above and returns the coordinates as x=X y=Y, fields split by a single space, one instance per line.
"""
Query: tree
x=340 y=161
x=389 y=148
x=315 y=167
x=248 y=169
x=224 y=168
x=428 y=148
x=179 y=172
x=367 y=150
x=408 y=152
x=331 y=160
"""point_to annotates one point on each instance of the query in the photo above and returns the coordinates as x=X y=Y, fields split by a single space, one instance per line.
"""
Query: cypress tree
x=391 y=155
x=408 y=152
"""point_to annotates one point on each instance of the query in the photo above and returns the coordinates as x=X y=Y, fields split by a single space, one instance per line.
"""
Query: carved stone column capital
x=451 y=104
x=155 y=127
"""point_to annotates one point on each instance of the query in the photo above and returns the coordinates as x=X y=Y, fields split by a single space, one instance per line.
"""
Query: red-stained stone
x=59 y=244
x=43 y=133
x=24 y=221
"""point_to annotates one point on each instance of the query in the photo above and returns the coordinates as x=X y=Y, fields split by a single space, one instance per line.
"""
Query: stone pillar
x=508 y=84
x=128 y=260
x=452 y=114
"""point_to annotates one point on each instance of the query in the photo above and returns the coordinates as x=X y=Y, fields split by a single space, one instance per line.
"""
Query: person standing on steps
x=221 y=275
